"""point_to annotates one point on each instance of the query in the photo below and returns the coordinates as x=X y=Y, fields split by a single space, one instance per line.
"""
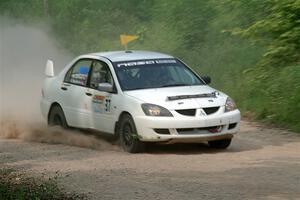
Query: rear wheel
x=128 y=135
x=219 y=144
x=57 y=117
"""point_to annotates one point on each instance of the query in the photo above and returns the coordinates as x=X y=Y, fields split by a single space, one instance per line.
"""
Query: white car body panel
x=159 y=96
x=81 y=111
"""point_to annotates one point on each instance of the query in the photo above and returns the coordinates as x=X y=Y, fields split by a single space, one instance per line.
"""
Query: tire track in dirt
x=261 y=163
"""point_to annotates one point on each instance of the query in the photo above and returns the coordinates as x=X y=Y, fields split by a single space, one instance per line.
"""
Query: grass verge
x=14 y=185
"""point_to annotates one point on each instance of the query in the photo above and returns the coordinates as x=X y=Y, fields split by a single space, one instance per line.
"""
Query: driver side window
x=100 y=74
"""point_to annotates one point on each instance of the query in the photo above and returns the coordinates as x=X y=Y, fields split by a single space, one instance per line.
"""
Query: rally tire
x=219 y=144
x=129 y=140
x=57 y=117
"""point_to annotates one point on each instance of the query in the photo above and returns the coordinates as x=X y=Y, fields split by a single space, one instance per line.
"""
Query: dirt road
x=262 y=163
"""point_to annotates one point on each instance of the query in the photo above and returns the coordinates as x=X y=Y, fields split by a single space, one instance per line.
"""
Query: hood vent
x=205 y=95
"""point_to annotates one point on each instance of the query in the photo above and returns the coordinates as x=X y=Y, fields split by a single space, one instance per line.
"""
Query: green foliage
x=21 y=9
x=279 y=31
x=271 y=88
x=260 y=70
x=274 y=95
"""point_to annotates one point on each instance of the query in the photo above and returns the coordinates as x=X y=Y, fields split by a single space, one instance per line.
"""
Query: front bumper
x=188 y=129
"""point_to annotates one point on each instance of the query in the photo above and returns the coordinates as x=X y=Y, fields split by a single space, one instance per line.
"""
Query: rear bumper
x=188 y=129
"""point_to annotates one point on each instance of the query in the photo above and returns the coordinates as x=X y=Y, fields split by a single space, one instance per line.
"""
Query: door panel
x=78 y=107
x=103 y=111
x=76 y=97
x=103 y=103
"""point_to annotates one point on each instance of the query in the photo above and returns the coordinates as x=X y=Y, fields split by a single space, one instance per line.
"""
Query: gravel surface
x=261 y=163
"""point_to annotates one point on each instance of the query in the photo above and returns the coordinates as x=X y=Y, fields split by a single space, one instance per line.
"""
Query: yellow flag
x=125 y=39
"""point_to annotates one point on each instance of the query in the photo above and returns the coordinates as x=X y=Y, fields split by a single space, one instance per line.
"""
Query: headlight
x=155 y=110
x=230 y=105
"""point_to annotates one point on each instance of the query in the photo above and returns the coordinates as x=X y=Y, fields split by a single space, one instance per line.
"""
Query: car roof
x=117 y=56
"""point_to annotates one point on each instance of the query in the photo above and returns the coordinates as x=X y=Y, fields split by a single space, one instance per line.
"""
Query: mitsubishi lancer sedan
x=140 y=97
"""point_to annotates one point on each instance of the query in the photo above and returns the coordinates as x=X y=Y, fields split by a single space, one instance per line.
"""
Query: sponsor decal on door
x=101 y=104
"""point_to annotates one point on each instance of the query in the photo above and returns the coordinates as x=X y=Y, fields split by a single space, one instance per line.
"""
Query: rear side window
x=79 y=73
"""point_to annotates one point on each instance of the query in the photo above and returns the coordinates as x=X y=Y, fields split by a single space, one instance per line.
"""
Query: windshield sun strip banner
x=145 y=62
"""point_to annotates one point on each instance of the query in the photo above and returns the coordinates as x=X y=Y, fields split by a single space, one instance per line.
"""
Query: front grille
x=210 y=110
x=231 y=126
x=185 y=129
x=162 y=131
x=187 y=112
x=211 y=129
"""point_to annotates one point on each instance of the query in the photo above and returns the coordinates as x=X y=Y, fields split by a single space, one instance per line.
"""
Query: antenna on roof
x=125 y=39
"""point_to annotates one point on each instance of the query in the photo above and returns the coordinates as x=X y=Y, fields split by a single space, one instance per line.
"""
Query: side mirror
x=206 y=79
x=105 y=87
x=49 y=71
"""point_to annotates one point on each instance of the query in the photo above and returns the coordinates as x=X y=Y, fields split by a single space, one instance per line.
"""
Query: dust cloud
x=54 y=135
x=24 y=51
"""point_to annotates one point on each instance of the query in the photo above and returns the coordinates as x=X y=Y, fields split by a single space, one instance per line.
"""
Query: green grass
x=272 y=95
x=16 y=186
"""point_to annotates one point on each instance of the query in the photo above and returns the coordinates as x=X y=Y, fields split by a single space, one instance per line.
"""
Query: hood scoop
x=205 y=95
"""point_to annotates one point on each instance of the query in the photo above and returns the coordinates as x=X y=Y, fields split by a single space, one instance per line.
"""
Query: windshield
x=158 y=73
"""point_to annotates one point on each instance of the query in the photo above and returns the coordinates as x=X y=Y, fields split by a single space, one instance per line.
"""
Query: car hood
x=186 y=97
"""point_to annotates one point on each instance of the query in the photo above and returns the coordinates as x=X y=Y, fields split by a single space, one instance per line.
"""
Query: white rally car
x=140 y=97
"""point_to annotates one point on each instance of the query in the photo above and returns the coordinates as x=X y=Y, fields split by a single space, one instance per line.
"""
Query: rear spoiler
x=49 y=71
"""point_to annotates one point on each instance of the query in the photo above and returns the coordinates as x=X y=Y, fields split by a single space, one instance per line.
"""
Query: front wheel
x=128 y=135
x=219 y=144
x=57 y=117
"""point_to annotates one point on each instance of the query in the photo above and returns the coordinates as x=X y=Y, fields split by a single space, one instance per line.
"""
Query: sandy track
x=262 y=163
